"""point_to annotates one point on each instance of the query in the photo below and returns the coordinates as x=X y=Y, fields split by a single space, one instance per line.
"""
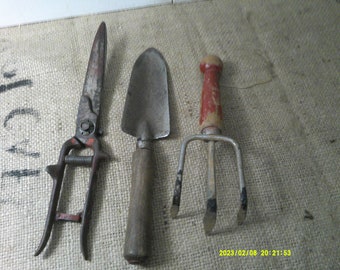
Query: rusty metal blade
x=146 y=112
x=94 y=79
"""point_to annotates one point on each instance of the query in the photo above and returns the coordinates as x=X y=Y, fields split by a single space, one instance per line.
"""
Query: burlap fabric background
x=281 y=102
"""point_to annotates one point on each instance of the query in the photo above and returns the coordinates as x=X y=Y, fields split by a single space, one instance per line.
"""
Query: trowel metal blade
x=146 y=112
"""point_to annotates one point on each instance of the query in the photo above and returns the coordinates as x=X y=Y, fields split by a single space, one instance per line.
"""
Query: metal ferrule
x=144 y=144
x=211 y=131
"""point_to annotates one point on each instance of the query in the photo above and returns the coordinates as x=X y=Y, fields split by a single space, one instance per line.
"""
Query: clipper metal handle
x=57 y=173
x=210 y=124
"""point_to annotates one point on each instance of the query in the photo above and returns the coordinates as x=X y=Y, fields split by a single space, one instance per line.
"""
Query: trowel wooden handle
x=138 y=233
x=211 y=110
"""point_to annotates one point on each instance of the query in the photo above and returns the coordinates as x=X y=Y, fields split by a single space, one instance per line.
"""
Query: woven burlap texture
x=281 y=103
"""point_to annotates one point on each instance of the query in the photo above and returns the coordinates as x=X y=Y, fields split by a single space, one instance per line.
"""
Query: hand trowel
x=146 y=117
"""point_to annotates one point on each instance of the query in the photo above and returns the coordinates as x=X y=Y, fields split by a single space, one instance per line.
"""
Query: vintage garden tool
x=146 y=117
x=87 y=132
x=210 y=124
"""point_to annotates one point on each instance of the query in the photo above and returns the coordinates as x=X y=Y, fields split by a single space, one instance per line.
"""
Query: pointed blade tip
x=241 y=216
x=209 y=222
x=102 y=30
x=174 y=211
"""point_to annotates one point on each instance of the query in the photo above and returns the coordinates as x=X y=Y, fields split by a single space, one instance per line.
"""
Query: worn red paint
x=211 y=109
x=68 y=217
x=90 y=142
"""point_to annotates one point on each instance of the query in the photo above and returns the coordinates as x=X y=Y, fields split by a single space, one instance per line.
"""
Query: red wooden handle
x=211 y=110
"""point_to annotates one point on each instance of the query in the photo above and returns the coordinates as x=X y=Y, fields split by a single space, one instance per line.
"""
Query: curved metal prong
x=209 y=219
x=57 y=173
x=178 y=186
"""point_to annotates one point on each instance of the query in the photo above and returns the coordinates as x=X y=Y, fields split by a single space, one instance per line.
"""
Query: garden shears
x=87 y=132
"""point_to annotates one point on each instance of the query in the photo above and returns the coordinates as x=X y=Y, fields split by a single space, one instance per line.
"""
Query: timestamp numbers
x=276 y=252
x=255 y=252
